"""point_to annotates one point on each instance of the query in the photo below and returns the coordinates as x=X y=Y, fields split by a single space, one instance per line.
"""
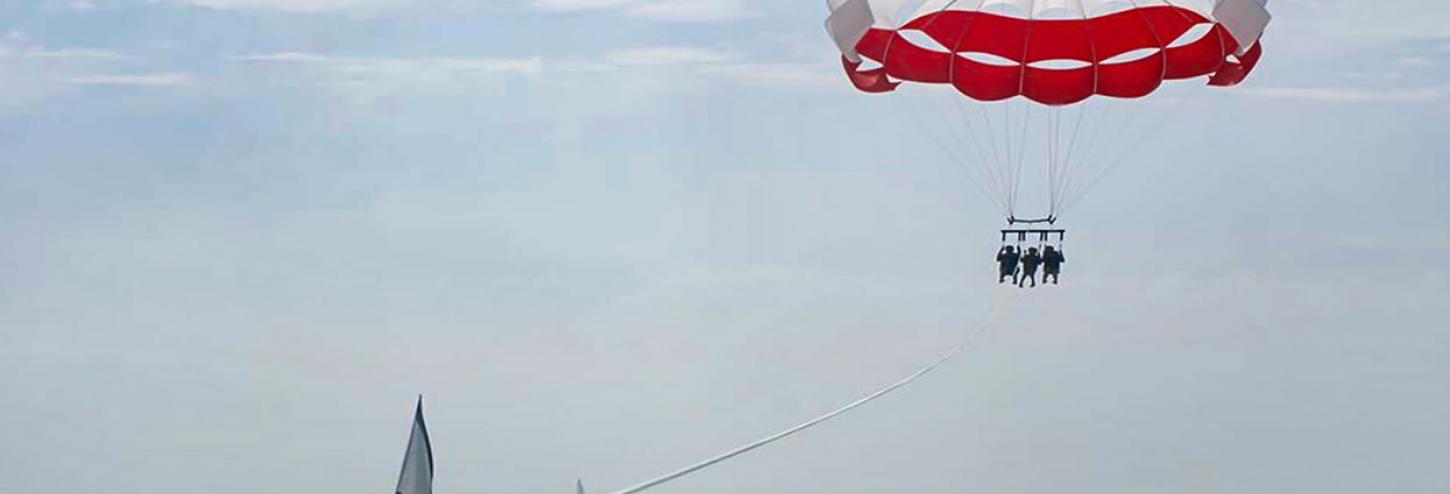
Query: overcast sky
x=608 y=238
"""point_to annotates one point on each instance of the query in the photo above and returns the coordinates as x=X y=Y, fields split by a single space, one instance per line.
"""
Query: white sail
x=417 y=475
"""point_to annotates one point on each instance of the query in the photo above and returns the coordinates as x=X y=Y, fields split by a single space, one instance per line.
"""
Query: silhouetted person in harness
x=1029 y=266
x=1006 y=264
x=1051 y=264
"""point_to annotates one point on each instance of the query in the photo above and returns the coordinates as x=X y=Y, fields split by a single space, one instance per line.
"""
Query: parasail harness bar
x=1012 y=220
x=1042 y=235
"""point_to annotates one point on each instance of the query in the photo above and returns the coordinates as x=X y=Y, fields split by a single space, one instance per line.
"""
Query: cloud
x=1414 y=62
x=1353 y=94
x=578 y=5
x=423 y=67
x=366 y=80
x=1334 y=27
x=656 y=10
x=690 y=10
x=73 y=54
x=787 y=74
x=369 y=77
x=21 y=45
x=31 y=72
x=576 y=66
x=300 y=6
x=151 y=80
x=670 y=55
x=290 y=56
x=722 y=64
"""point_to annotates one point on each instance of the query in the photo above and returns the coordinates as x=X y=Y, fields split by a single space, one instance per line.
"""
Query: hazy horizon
x=608 y=238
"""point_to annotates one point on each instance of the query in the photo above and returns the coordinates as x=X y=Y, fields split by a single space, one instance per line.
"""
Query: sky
x=609 y=238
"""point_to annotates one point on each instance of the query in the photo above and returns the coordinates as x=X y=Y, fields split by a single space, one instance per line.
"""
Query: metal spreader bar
x=1042 y=235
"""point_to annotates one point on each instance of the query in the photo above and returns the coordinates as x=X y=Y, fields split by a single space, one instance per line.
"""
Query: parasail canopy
x=1053 y=52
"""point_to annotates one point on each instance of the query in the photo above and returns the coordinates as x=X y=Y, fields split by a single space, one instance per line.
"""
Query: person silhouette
x=1052 y=260
x=1029 y=266
x=1007 y=264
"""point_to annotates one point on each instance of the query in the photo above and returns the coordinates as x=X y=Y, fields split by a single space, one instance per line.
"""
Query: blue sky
x=610 y=237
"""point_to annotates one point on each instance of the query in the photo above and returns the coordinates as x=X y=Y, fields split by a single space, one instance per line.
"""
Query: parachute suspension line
x=1055 y=169
x=984 y=166
x=1014 y=149
x=1064 y=158
x=998 y=164
x=981 y=180
x=1052 y=136
x=966 y=340
x=1109 y=119
x=1069 y=159
x=1095 y=147
x=1090 y=142
x=961 y=131
x=1011 y=177
x=1088 y=147
x=980 y=173
x=1057 y=163
x=1143 y=136
x=1103 y=152
x=953 y=157
x=1021 y=156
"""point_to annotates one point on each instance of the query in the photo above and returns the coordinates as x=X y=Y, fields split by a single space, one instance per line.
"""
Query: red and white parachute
x=1052 y=53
